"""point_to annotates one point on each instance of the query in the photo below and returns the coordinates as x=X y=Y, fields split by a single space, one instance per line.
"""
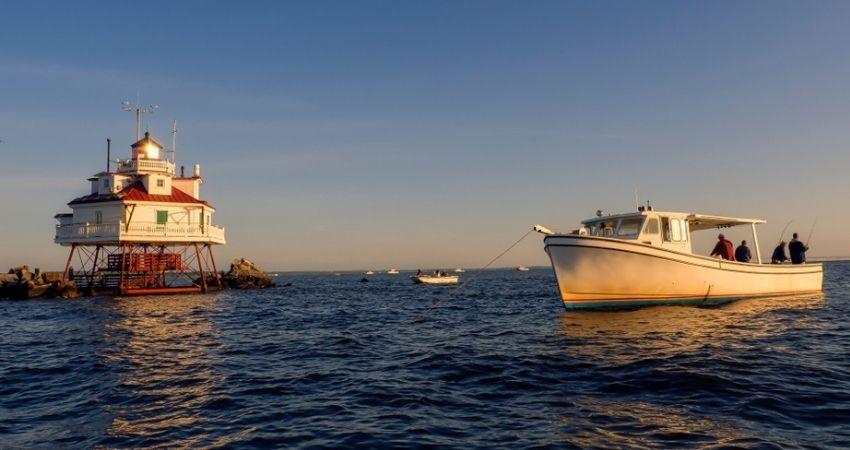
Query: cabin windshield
x=626 y=227
x=630 y=226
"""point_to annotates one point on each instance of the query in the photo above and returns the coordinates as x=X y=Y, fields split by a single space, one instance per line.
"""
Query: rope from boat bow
x=457 y=288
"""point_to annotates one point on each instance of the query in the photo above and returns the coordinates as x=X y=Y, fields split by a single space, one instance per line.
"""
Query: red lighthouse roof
x=136 y=192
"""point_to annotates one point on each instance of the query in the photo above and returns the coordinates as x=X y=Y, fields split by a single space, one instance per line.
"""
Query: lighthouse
x=142 y=229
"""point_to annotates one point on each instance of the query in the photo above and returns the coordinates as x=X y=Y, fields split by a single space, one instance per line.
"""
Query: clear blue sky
x=370 y=134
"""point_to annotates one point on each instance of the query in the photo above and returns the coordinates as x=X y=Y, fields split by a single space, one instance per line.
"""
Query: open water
x=333 y=362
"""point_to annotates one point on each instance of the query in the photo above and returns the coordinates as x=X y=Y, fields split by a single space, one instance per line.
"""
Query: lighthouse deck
x=108 y=233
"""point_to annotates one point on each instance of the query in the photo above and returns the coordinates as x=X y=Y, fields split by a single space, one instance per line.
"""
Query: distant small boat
x=370 y=273
x=435 y=279
x=459 y=270
x=522 y=269
x=392 y=272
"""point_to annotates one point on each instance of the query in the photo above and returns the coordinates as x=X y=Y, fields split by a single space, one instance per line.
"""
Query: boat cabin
x=669 y=230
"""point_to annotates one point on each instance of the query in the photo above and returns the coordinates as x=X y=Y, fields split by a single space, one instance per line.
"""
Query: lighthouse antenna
x=173 y=141
x=138 y=110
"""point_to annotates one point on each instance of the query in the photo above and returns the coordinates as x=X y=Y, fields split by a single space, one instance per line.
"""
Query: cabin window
x=106 y=182
x=674 y=229
x=160 y=183
x=161 y=217
x=98 y=217
x=629 y=227
x=651 y=226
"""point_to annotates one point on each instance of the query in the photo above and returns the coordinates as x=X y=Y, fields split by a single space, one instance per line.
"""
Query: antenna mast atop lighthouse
x=138 y=110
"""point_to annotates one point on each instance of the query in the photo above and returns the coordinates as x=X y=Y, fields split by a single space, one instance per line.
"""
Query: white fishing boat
x=522 y=269
x=438 y=279
x=369 y=272
x=392 y=272
x=645 y=258
x=459 y=270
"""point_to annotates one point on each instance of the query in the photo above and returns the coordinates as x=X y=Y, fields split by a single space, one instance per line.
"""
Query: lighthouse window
x=161 y=217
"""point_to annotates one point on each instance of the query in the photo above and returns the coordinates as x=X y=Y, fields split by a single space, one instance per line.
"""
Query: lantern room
x=147 y=148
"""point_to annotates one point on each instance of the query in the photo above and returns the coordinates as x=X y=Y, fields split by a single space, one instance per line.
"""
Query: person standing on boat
x=724 y=248
x=742 y=253
x=779 y=254
x=797 y=250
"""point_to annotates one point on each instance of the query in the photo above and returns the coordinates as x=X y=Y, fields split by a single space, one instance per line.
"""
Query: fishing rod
x=784 y=230
x=808 y=239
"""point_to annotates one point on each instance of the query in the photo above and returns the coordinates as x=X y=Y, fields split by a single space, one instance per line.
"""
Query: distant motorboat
x=459 y=270
x=370 y=273
x=438 y=280
x=392 y=272
x=522 y=269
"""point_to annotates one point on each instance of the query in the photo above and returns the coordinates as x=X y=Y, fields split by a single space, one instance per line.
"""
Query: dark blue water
x=332 y=362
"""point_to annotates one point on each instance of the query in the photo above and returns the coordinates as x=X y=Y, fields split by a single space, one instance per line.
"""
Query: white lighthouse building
x=142 y=229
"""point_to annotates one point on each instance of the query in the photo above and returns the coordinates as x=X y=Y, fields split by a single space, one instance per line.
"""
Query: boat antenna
x=138 y=110
x=108 y=153
x=637 y=202
x=809 y=239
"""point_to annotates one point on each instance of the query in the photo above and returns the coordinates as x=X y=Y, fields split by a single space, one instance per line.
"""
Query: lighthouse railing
x=145 y=165
x=138 y=232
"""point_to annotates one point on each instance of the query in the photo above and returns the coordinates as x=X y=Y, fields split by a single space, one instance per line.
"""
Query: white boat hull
x=439 y=281
x=596 y=272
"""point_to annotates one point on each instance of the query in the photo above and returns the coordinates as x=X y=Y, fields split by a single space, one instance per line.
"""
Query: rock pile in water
x=23 y=283
x=246 y=275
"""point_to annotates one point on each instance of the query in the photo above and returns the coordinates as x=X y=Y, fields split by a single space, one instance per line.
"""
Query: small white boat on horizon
x=522 y=269
x=459 y=270
x=392 y=272
x=645 y=258
x=370 y=272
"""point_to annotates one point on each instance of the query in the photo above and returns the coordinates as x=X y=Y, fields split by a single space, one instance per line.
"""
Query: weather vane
x=138 y=110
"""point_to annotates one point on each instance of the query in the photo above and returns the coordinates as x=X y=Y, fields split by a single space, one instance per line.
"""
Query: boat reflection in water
x=161 y=352
x=664 y=376
x=665 y=331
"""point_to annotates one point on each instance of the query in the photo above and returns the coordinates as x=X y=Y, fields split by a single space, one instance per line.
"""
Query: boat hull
x=594 y=272
x=437 y=281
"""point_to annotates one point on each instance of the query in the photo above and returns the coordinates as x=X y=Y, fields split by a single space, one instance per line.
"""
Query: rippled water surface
x=333 y=362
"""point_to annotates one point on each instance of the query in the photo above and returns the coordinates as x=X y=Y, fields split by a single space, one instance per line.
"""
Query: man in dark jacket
x=742 y=253
x=779 y=254
x=724 y=248
x=797 y=250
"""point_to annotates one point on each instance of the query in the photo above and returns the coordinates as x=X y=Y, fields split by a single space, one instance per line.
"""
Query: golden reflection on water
x=663 y=331
x=162 y=346
x=638 y=423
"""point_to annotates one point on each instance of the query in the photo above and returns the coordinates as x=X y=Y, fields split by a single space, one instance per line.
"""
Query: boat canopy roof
x=704 y=222
x=697 y=222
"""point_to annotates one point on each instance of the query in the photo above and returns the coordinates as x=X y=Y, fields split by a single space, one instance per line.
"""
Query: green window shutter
x=161 y=217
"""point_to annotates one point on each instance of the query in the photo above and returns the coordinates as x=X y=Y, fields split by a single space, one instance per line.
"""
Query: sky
x=353 y=135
